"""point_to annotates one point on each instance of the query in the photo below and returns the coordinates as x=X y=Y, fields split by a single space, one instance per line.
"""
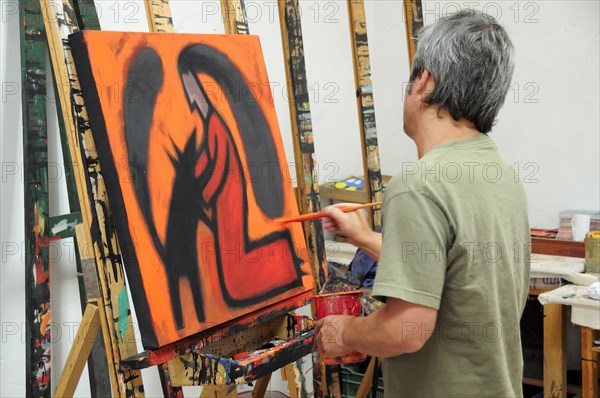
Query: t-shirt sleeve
x=412 y=264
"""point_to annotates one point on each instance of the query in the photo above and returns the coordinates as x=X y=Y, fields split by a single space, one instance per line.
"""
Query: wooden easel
x=105 y=308
x=40 y=228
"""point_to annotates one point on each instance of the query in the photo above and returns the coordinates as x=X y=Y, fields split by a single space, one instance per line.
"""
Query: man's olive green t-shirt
x=456 y=238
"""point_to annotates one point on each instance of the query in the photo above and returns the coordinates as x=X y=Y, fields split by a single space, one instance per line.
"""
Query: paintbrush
x=321 y=214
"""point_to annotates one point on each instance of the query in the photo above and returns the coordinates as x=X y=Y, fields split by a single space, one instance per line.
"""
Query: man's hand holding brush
x=354 y=226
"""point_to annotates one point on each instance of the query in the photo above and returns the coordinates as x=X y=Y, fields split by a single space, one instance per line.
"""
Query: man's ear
x=424 y=83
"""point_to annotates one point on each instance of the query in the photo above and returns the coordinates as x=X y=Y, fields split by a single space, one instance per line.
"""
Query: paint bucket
x=342 y=303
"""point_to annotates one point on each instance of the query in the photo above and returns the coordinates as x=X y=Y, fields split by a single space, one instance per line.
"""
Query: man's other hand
x=329 y=335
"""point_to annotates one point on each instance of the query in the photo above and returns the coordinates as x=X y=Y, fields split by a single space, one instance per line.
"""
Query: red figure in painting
x=244 y=274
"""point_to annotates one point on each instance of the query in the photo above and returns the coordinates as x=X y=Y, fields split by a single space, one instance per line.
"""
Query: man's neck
x=435 y=129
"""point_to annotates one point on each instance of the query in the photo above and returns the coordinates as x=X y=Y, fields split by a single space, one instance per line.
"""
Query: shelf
x=329 y=191
x=557 y=247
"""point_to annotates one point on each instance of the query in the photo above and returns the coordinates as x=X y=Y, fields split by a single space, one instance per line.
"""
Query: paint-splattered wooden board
x=413 y=17
x=159 y=16
x=35 y=160
x=97 y=363
x=202 y=340
x=247 y=355
x=98 y=242
x=306 y=171
x=214 y=370
x=304 y=150
x=87 y=14
x=366 y=107
x=234 y=17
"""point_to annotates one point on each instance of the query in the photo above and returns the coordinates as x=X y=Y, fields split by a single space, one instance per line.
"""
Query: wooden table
x=555 y=366
x=586 y=313
x=555 y=363
x=590 y=358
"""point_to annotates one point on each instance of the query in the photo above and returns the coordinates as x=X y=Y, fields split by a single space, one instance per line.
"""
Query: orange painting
x=192 y=157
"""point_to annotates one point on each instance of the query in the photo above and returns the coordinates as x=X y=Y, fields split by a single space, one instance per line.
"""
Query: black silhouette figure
x=179 y=256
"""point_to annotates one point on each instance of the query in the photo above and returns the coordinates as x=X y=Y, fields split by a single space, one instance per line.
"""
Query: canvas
x=191 y=153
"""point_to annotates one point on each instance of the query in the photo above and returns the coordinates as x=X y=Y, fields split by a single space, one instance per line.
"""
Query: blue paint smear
x=123 y=310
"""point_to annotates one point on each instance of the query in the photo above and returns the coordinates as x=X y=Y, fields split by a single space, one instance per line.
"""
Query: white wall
x=549 y=125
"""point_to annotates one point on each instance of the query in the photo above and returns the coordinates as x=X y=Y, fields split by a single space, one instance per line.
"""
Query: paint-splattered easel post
x=35 y=153
x=304 y=155
x=413 y=12
x=366 y=107
x=97 y=242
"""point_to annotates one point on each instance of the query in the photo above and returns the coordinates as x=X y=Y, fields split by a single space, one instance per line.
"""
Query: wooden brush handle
x=321 y=214
x=363 y=206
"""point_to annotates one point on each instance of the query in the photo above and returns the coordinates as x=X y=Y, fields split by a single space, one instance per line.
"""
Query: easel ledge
x=198 y=341
x=192 y=365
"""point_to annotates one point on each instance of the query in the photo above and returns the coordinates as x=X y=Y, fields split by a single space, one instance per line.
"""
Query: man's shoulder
x=402 y=182
x=418 y=176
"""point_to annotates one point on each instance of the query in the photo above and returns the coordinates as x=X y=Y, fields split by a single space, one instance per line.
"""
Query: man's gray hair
x=470 y=57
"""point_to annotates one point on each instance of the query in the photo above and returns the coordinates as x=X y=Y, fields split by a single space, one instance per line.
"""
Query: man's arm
x=399 y=327
x=354 y=227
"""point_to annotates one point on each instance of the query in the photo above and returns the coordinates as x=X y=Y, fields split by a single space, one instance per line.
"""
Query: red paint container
x=342 y=303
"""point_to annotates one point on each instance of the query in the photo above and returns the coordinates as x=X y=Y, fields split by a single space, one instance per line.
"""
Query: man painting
x=454 y=252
